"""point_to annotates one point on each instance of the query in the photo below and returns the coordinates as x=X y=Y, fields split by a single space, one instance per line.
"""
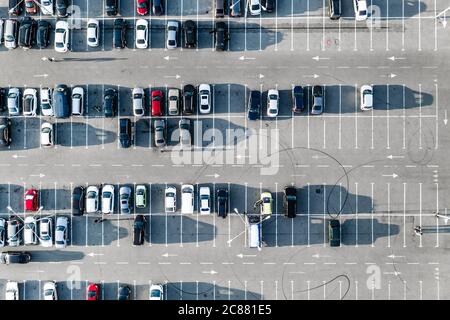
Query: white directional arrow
x=176 y=76
x=392 y=75
x=241 y=255
x=317 y=58
x=393 y=58
x=92 y=254
x=15 y=156
x=170 y=58
x=261 y=76
x=242 y=58
x=319 y=256
x=394 y=175
x=166 y=255
x=444 y=21
x=316 y=156
x=40 y=75
x=393 y=256
x=445 y=118
x=211 y=272
x=239 y=156
x=315 y=76
x=40 y=175
x=394 y=157
x=215 y=175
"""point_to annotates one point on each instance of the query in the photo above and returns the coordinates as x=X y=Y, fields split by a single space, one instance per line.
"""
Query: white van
x=187 y=198
x=254 y=231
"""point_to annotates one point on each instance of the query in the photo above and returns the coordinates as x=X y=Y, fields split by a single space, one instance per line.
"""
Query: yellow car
x=266 y=203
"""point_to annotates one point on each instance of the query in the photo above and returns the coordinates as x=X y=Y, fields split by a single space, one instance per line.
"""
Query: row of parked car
x=33 y=230
x=50 y=291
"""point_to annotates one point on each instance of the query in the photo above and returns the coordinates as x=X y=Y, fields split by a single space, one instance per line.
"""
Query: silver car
x=138 y=102
x=14 y=230
x=46 y=232
x=77 y=101
x=172 y=34
x=62 y=232
x=174 y=102
x=125 y=199
x=14 y=101
x=30 y=236
x=185 y=133
x=160 y=133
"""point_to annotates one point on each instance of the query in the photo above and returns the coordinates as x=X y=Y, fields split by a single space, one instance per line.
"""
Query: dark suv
x=78 y=201
x=334 y=233
x=334 y=9
x=27 y=32
x=60 y=99
x=10 y=257
x=5 y=132
x=254 y=105
x=110 y=103
x=190 y=34
x=125 y=133
x=111 y=7
x=222 y=202
x=61 y=8
x=119 y=33
x=189 y=99
x=43 y=34
x=139 y=230
x=297 y=99
x=290 y=202
x=221 y=36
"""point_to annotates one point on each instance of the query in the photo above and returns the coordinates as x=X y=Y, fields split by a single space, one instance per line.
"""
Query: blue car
x=297 y=99
x=254 y=105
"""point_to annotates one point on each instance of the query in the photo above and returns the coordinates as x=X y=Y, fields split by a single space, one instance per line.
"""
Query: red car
x=142 y=7
x=93 y=292
x=31 y=200
x=157 y=103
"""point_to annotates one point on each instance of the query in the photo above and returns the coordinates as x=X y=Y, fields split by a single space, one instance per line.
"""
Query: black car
x=334 y=233
x=78 y=201
x=13 y=257
x=60 y=100
x=189 y=99
x=5 y=132
x=158 y=8
x=110 y=103
x=124 y=293
x=334 y=9
x=27 y=32
x=61 y=8
x=297 y=99
x=139 y=230
x=119 y=33
x=43 y=34
x=221 y=36
x=190 y=34
x=222 y=203
x=269 y=5
x=111 y=7
x=235 y=8
x=125 y=133
x=290 y=202
x=3 y=95
x=254 y=105
x=15 y=7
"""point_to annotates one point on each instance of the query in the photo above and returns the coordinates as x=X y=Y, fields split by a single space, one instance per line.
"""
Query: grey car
x=160 y=133
x=174 y=101
x=318 y=105
x=185 y=133
x=125 y=199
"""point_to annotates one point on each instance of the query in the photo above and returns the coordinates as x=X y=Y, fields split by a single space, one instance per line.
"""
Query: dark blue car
x=254 y=105
x=297 y=99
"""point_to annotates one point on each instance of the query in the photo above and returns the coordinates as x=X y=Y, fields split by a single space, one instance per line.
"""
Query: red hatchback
x=93 y=292
x=142 y=7
x=157 y=103
x=31 y=200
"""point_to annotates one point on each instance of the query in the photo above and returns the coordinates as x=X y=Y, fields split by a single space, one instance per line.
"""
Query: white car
x=187 y=198
x=138 y=102
x=13 y=101
x=61 y=232
x=142 y=34
x=156 y=292
x=92 y=194
x=366 y=97
x=204 y=91
x=45 y=95
x=46 y=232
x=30 y=236
x=47 y=7
x=170 y=202
x=12 y=291
x=254 y=6
x=29 y=102
x=174 y=101
x=360 y=7
x=108 y=199
x=272 y=103
x=92 y=34
x=61 y=36
x=50 y=292
x=172 y=34
x=47 y=133
x=205 y=200
x=77 y=101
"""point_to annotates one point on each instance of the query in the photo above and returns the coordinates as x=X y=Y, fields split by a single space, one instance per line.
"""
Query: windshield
x=155 y=294
x=92 y=195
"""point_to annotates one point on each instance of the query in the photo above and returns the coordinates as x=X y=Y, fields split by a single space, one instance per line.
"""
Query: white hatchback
x=108 y=199
x=170 y=202
x=12 y=291
x=61 y=36
x=92 y=34
x=142 y=34
x=46 y=232
x=29 y=102
x=30 y=236
x=46 y=101
x=272 y=103
x=360 y=7
x=366 y=97
x=77 y=101
x=204 y=91
x=205 y=200
x=92 y=195
x=50 y=292
x=138 y=102
x=47 y=7
x=187 y=199
x=254 y=7
x=47 y=133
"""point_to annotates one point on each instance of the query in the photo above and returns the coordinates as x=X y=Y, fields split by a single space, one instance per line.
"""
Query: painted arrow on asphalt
x=393 y=58
x=241 y=255
x=319 y=256
x=166 y=255
x=394 y=157
x=242 y=58
x=315 y=76
x=170 y=58
x=393 y=256
x=211 y=272
x=92 y=254
x=394 y=175
x=15 y=156
x=215 y=175
x=317 y=58
x=40 y=175
x=445 y=118
x=176 y=76
x=40 y=75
